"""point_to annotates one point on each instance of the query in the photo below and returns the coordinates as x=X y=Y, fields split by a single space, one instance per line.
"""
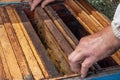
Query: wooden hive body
x=35 y=45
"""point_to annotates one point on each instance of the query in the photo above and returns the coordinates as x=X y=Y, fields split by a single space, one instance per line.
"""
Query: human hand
x=34 y=3
x=91 y=49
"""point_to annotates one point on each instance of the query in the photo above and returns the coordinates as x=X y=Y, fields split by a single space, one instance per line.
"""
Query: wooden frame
x=43 y=54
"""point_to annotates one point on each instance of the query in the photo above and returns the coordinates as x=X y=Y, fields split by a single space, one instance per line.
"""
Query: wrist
x=113 y=41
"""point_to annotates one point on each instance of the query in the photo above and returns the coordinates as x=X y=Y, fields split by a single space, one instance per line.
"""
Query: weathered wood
x=9 y=54
x=116 y=57
x=41 y=55
x=2 y=73
x=70 y=21
x=83 y=17
x=92 y=17
x=64 y=45
x=62 y=27
x=4 y=63
x=64 y=77
x=54 y=15
x=15 y=45
x=33 y=65
x=57 y=34
x=77 y=17
x=53 y=48
x=92 y=11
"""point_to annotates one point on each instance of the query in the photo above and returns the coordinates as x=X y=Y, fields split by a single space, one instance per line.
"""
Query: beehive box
x=35 y=45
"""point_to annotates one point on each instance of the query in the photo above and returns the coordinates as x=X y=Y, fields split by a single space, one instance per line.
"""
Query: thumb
x=34 y=4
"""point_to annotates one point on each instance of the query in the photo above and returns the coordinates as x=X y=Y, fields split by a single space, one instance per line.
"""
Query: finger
x=30 y=2
x=46 y=2
x=34 y=4
x=74 y=60
x=75 y=67
x=76 y=57
x=88 y=62
x=70 y=57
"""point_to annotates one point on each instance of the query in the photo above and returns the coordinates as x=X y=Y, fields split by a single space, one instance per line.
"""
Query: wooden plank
x=92 y=17
x=62 y=27
x=9 y=54
x=40 y=53
x=15 y=45
x=116 y=56
x=77 y=17
x=47 y=22
x=84 y=18
x=53 y=29
x=53 y=48
x=64 y=77
x=2 y=73
x=100 y=17
x=69 y=20
x=4 y=63
x=33 y=65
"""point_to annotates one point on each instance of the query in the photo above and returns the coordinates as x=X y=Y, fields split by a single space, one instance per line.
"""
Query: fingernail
x=42 y=6
x=31 y=9
x=82 y=76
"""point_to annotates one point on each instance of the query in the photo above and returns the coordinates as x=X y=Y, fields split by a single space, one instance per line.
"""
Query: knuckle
x=71 y=57
x=71 y=60
x=85 y=65
x=83 y=42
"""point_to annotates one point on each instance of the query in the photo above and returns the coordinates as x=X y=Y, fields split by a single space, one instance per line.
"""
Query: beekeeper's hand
x=91 y=49
x=34 y=3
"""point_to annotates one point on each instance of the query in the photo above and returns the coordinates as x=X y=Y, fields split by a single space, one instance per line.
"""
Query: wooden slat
x=92 y=11
x=9 y=54
x=4 y=63
x=57 y=34
x=116 y=57
x=80 y=20
x=53 y=48
x=54 y=17
x=62 y=27
x=69 y=20
x=40 y=53
x=34 y=67
x=65 y=77
x=92 y=17
x=83 y=17
x=15 y=45
x=2 y=73
x=61 y=41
